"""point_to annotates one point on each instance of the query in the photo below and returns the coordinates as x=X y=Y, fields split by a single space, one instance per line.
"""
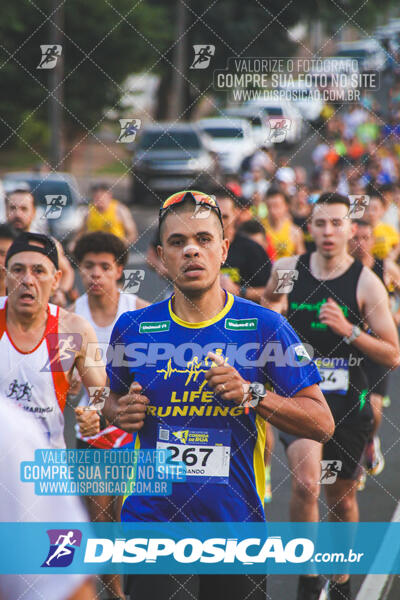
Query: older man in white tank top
x=40 y=343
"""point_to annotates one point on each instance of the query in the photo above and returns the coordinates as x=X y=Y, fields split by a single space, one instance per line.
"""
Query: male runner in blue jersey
x=190 y=360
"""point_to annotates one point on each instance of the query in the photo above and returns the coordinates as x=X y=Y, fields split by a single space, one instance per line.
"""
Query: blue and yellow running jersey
x=225 y=475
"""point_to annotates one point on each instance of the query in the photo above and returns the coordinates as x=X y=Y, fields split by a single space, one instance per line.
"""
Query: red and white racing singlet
x=35 y=380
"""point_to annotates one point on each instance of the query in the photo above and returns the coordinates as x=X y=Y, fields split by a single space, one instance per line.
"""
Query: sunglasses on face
x=199 y=198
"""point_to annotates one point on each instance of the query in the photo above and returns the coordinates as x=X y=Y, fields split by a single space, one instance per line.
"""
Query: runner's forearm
x=380 y=351
x=300 y=415
x=110 y=407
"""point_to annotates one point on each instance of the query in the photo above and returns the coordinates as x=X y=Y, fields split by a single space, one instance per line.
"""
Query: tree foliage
x=106 y=40
x=102 y=42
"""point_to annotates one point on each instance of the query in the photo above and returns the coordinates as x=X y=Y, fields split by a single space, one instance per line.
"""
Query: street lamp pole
x=56 y=88
x=177 y=103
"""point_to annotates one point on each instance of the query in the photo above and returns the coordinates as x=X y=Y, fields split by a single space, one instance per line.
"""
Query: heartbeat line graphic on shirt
x=193 y=370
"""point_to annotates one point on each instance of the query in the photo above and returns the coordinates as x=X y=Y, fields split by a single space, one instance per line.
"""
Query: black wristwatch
x=258 y=392
x=243 y=291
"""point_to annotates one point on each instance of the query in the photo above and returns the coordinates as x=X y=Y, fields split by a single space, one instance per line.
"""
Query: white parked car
x=254 y=116
x=335 y=79
x=370 y=54
x=274 y=109
x=306 y=99
x=231 y=139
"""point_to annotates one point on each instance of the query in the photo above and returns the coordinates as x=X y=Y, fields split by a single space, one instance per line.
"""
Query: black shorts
x=197 y=587
x=347 y=445
x=378 y=377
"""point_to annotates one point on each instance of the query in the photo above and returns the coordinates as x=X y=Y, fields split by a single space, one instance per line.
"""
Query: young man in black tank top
x=360 y=247
x=332 y=298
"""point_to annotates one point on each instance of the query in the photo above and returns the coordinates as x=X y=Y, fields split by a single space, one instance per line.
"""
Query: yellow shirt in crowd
x=385 y=239
x=107 y=221
x=281 y=238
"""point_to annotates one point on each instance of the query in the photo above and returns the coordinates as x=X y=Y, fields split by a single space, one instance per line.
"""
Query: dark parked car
x=171 y=157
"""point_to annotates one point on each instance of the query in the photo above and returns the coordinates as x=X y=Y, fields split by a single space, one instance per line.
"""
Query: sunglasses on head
x=199 y=198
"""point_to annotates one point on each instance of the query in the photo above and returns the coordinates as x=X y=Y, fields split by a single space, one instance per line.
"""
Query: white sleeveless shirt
x=35 y=380
x=127 y=302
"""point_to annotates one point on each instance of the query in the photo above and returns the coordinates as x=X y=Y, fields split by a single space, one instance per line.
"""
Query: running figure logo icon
x=50 y=55
x=278 y=129
x=63 y=348
x=129 y=129
x=330 y=470
x=98 y=396
x=132 y=280
x=258 y=391
x=286 y=279
x=63 y=543
x=20 y=391
x=358 y=204
x=201 y=211
x=55 y=204
x=203 y=54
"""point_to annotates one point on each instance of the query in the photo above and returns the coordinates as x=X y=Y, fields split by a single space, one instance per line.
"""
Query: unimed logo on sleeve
x=154 y=327
x=241 y=324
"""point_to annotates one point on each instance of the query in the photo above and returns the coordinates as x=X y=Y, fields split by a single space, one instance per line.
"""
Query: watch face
x=258 y=389
x=258 y=392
